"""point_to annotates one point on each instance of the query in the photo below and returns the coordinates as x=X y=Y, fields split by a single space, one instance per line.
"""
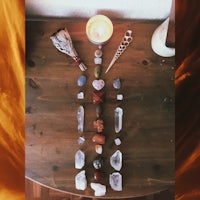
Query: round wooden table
x=51 y=110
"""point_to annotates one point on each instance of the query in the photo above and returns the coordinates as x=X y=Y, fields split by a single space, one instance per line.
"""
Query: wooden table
x=51 y=109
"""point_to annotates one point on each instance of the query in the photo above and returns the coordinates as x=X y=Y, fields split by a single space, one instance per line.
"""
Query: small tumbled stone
x=98 y=61
x=117 y=141
x=99 y=138
x=81 y=80
x=98 y=110
x=81 y=140
x=119 y=97
x=117 y=83
x=98 y=53
x=97 y=71
x=98 y=124
x=80 y=95
x=98 y=148
x=98 y=175
x=98 y=84
x=98 y=162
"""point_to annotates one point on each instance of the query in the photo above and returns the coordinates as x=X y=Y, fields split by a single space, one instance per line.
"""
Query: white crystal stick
x=124 y=43
x=118 y=119
x=80 y=118
x=63 y=42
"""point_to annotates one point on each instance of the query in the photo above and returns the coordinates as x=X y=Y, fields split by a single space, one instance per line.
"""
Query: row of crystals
x=116 y=159
x=115 y=178
x=99 y=138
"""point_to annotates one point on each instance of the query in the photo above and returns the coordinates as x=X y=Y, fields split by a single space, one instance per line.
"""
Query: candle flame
x=99 y=32
x=99 y=29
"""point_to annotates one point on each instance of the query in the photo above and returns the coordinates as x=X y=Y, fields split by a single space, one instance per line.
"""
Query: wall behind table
x=127 y=9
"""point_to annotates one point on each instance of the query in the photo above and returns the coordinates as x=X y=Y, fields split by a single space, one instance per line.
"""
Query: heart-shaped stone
x=98 y=84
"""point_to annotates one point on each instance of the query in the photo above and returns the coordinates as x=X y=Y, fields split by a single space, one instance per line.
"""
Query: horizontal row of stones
x=81 y=96
x=99 y=124
x=98 y=85
x=82 y=79
x=115 y=180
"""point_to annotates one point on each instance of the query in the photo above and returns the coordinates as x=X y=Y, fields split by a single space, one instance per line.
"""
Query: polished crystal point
x=80 y=118
x=79 y=159
x=118 y=119
x=116 y=160
x=115 y=180
x=81 y=181
x=99 y=189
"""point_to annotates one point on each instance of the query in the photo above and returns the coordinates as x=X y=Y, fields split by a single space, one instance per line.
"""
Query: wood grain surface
x=51 y=109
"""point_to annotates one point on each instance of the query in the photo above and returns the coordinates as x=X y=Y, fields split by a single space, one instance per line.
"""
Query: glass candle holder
x=99 y=29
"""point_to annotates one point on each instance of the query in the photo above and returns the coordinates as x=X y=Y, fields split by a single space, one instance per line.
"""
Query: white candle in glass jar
x=99 y=29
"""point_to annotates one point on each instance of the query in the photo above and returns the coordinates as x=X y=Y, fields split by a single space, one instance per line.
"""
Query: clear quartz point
x=116 y=160
x=115 y=180
x=79 y=159
x=80 y=118
x=81 y=181
x=118 y=119
x=81 y=140
x=99 y=189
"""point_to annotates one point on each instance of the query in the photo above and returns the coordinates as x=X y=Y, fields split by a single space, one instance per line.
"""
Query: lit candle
x=99 y=29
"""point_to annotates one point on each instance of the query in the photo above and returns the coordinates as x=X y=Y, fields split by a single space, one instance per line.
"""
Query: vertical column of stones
x=99 y=137
x=80 y=178
x=115 y=178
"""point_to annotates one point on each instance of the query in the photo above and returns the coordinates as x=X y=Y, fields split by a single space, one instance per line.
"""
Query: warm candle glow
x=99 y=29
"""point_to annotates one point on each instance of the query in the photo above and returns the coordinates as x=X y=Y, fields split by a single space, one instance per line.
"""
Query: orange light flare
x=187 y=91
x=12 y=99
